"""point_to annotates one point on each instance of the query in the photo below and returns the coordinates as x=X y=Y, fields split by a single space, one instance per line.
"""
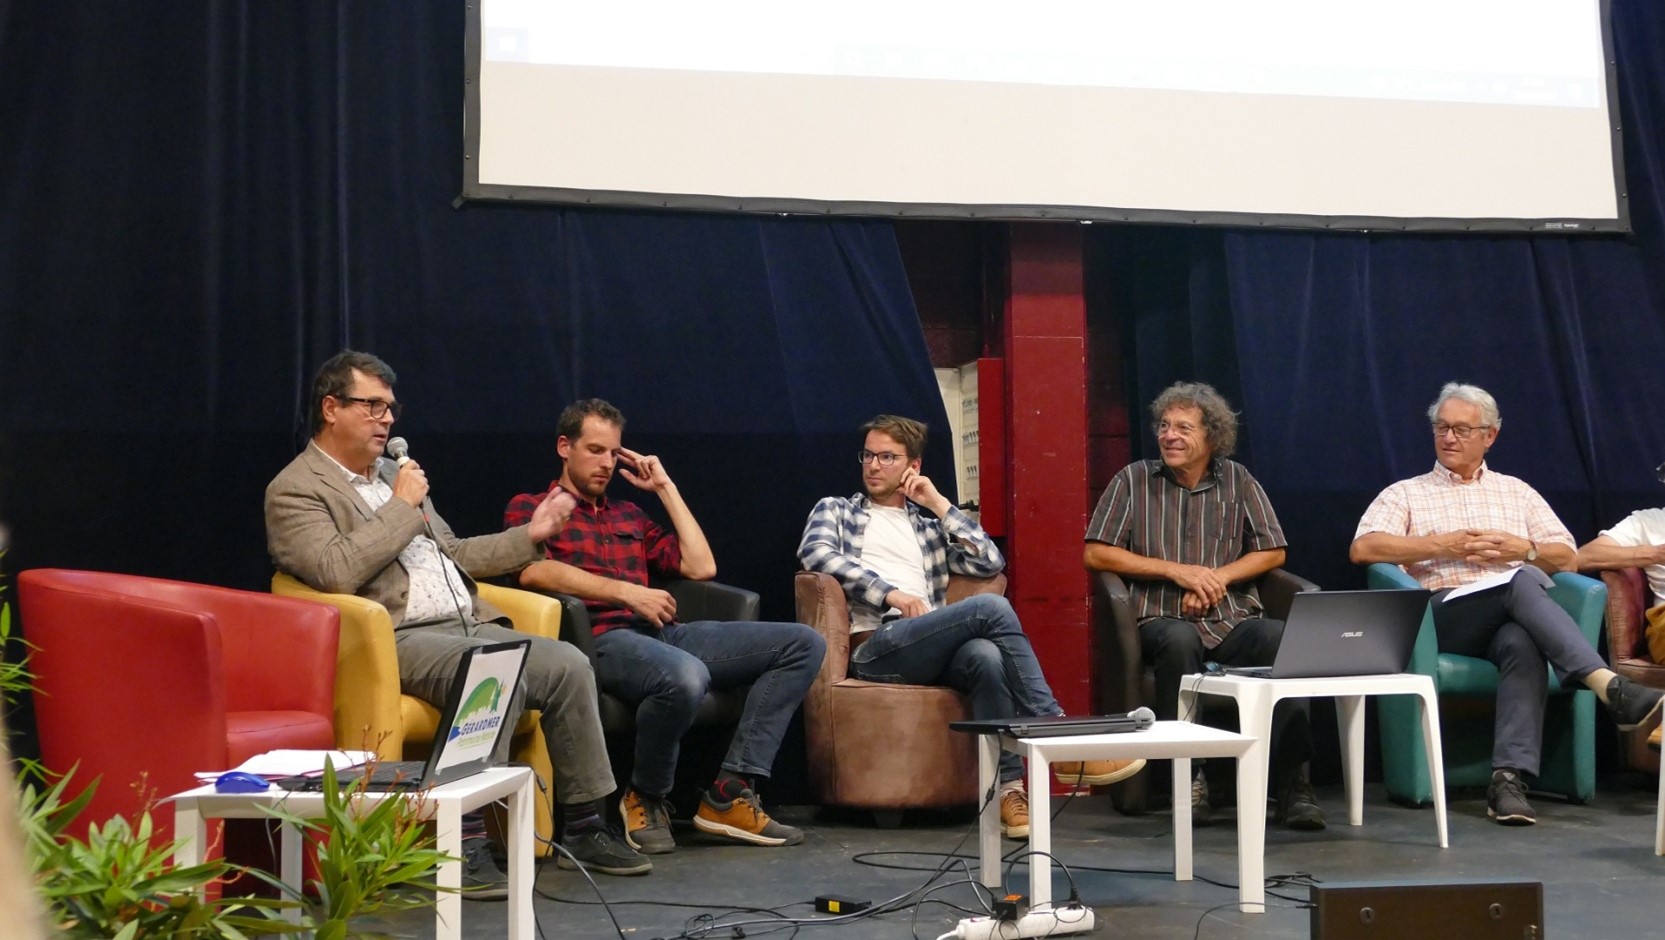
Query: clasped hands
x=1204 y=588
x=1483 y=546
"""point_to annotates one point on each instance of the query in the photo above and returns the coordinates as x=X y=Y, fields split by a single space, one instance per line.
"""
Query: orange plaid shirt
x=1438 y=501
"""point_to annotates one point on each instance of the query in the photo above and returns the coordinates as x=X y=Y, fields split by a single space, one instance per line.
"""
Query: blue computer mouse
x=236 y=781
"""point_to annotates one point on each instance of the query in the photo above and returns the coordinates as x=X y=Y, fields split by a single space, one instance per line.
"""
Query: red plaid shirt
x=612 y=539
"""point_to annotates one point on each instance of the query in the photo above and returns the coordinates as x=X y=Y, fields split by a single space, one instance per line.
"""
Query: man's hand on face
x=651 y=604
x=411 y=485
x=551 y=515
x=909 y=605
x=919 y=488
x=644 y=471
x=1202 y=581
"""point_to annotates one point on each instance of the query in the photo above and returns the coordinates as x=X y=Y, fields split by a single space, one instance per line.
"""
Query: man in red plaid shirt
x=605 y=555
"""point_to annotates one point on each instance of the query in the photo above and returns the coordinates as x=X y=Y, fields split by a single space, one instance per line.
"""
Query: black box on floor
x=840 y=904
x=1428 y=910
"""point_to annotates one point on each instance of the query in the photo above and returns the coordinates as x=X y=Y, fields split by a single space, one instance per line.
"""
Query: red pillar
x=1045 y=338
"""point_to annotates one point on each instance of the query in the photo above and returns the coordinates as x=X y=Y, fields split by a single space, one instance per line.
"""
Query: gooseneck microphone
x=399 y=450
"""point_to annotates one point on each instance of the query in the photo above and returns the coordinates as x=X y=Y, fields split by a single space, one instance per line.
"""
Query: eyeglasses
x=1180 y=427
x=884 y=460
x=377 y=406
x=1463 y=431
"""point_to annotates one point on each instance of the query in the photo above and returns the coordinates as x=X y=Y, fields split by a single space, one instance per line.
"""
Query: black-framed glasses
x=1463 y=431
x=377 y=406
x=884 y=460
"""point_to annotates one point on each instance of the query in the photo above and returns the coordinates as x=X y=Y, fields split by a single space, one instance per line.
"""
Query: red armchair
x=146 y=680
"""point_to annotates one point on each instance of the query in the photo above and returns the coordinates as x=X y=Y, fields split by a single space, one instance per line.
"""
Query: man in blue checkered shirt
x=892 y=547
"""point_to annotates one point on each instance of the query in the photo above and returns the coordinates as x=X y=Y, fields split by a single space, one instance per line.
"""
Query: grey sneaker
x=647 y=822
x=1202 y=811
x=1298 y=805
x=743 y=820
x=482 y=879
x=1632 y=704
x=1506 y=800
x=598 y=849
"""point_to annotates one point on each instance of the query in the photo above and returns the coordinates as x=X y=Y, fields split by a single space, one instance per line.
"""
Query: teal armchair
x=1468 y=689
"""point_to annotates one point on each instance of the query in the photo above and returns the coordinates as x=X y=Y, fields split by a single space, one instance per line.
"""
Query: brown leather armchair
x=1125 y=683
x=877 y=746
x=370 y=711
x=144 y=681
x=1628 y=599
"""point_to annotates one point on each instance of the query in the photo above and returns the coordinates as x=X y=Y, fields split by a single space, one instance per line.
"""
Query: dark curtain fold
x=202 y=206
x=1333 y=345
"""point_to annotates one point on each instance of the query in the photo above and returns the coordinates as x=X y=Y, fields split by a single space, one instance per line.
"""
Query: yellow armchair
x=370 y=711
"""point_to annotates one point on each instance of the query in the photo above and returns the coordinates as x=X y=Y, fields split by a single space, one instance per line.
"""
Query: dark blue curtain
x=203 y=205
x=1333 y=345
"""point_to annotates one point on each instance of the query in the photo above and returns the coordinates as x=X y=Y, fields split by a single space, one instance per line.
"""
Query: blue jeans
x=665 y=673
x=975 y=646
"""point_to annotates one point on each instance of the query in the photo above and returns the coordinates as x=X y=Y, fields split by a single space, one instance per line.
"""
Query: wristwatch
x=1532 y=550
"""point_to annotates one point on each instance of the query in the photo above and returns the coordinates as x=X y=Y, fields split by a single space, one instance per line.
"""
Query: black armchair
x=1124 y=681
x=695 y=600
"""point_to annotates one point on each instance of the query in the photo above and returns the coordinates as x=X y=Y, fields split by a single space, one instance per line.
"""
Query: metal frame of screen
x=474 y=191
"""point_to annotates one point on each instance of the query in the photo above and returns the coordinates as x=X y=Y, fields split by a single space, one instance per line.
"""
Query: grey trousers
x=558 y=682
x=1519 y=628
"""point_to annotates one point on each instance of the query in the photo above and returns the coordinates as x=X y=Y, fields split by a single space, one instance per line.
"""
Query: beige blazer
x=319 y=530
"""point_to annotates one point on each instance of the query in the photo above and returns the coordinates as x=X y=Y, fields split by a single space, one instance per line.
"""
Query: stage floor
x=1596 y=862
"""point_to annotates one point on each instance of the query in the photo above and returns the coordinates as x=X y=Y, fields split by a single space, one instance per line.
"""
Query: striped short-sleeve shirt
x=1439 y=501
x=1227 y=515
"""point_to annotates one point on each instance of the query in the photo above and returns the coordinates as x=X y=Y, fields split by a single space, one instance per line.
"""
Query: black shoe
x=598 y=849
x=482 y=880
x=647 y=822
x=1202 y=811
x=1632 y=704
x=1298 y=805
x=1506 y=800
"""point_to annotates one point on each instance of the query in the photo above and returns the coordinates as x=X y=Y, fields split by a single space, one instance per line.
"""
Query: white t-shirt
x=1644 y=527
x=890 y=548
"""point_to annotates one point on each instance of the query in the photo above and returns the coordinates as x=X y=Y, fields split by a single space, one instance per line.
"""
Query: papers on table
x=1498 y=580
x=274 y=765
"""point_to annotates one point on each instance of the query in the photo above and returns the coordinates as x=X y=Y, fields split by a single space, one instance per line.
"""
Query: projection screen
x=1431 y=115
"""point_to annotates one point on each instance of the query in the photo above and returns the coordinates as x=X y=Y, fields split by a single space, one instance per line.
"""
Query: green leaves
x=374 y=857
x=117 y=883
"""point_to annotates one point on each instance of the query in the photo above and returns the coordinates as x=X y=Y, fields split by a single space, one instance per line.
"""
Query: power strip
x=1072 y=918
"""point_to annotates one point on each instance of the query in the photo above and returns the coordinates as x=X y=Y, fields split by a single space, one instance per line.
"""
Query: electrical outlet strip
x=1069 y=919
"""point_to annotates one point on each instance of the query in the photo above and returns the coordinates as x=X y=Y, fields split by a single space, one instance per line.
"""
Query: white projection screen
x=1420 y=115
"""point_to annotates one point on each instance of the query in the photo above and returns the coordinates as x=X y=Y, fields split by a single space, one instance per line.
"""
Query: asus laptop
x=1056 y=725
x=1345 y=633
x=475 y=719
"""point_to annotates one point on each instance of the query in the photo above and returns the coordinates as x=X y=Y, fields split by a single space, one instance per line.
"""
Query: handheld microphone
x=399 y=450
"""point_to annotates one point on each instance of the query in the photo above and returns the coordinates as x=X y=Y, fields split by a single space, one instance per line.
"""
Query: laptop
x=1051 y=726
x=473 y=722
x=1345 y=633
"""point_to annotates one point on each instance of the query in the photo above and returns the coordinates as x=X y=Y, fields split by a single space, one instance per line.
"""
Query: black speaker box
x=1428 y=910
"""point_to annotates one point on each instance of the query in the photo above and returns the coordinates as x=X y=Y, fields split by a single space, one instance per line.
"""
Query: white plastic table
x=1178 y=741
x=444 y=804
x=1256 y=697
x=1659 y=820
